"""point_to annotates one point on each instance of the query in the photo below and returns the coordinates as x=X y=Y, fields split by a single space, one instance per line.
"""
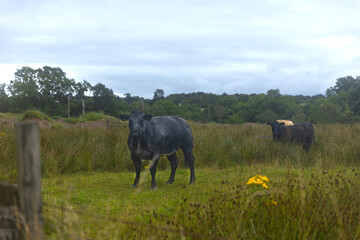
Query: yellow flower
x=264 y=178
x=258 y=180
x=146 y=167
x=252 y=181
x=274 y=202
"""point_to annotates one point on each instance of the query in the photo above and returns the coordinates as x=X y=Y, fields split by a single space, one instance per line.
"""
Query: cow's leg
x=153 y=165
x=174 y=163
x=190 y=159
x=306 y=146
x=137 y=163
x=307 y=143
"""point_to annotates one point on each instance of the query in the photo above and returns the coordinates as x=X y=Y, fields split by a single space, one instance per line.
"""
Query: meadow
x=87 y=177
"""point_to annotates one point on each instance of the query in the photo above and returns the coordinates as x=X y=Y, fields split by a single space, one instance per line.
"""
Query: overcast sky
x=183 y=46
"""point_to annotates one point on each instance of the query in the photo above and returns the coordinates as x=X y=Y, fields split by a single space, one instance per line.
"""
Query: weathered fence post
x=29 y=179
x=8 y=206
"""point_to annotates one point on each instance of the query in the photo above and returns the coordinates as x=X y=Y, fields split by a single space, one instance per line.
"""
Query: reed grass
x=71 y=150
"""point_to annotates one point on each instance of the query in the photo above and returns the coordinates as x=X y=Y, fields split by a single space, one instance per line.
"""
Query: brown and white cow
x=302 y=134
x=286 y=122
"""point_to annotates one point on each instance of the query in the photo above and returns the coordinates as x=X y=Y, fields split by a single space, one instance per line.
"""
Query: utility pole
x=83 y=106
x=69 y=106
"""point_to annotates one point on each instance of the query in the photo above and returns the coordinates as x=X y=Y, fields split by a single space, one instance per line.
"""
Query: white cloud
x=183 y=46
x=341 y=48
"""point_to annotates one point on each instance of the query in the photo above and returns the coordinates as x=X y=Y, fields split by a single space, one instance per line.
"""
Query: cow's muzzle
x=135 y=134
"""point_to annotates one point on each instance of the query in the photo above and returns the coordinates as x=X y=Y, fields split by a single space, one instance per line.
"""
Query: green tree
x=128 y=98
x=342 y=84
x=273 y=93
x=80 y=98
x=323 y=111
x=346 y=95
x=354 y=99
x=24 y=90
x=299 y=117
x=55 y=89
x=166 y=107
x=81 y=88
x=159 y=94
x=192 y=112
x=4 y=99
x=105 y=100
x=267 y=116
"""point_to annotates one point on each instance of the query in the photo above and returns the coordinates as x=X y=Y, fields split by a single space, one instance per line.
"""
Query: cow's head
x=136 y=122
x=276 y=128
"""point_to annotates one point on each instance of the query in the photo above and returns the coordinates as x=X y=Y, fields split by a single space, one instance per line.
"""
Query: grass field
x=298 y=204
x=88 y=173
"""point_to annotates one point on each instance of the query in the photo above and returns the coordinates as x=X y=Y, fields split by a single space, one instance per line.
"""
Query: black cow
x=150 y=137
x=300 y=133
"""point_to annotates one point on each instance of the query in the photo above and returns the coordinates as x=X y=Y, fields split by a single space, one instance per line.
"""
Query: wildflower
x=258 y=180
x=2 y=134
x=146 y=167
x=274 y=202
x=264 y=178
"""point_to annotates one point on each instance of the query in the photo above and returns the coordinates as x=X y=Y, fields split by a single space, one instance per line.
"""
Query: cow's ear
x=147 y=117
x=124 y=117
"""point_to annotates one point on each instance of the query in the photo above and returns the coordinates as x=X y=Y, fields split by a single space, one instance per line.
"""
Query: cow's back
x=171 y=132
x=303 y=132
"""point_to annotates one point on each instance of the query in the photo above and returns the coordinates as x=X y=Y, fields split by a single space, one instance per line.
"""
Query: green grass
x=87 y=117
x=92 y=116
x=299 y=204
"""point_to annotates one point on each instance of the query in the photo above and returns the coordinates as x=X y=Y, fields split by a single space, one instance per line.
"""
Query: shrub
x=92 y=116
x=31 y=114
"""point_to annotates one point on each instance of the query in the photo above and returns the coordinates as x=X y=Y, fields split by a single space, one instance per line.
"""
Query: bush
x=92 y=116
x=31 y=114
x=71 y=120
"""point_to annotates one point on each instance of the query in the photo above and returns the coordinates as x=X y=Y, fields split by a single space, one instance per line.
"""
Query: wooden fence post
x=29 y=179
x=8 y=206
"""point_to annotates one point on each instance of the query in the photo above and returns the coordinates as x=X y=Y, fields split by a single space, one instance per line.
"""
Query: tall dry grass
x=71 y=150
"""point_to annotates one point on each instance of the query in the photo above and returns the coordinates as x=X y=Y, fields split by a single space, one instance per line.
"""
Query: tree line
x=47 y=89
